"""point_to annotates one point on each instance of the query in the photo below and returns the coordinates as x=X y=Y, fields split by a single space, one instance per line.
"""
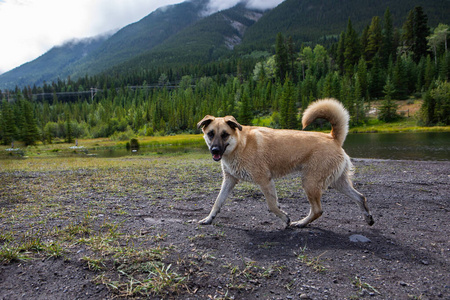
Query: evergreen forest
x=382 y=62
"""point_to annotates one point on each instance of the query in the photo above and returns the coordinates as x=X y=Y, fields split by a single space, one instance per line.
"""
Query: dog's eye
x=225 y=135
x=211 y=134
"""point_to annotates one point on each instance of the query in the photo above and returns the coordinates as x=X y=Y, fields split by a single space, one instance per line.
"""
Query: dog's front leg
x=228 y=184
x=269 y=191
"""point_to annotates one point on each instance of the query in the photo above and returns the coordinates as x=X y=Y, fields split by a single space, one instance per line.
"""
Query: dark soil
x=247 y=253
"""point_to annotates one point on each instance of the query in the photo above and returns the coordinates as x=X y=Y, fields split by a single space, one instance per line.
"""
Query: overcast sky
x=29 y=28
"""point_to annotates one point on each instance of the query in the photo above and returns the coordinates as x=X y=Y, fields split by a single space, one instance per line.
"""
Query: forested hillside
x=94 y=55
x=322 y=20
x=141 y=37
x=208 y=40
x=383 y=61
x=182 y=33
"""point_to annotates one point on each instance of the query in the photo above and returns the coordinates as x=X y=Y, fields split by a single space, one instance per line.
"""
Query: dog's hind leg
x=345 y=186
x=270 y=192
x=314 y=193
x=228 y=184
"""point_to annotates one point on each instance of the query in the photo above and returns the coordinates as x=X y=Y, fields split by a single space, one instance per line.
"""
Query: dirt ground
x=141 y=239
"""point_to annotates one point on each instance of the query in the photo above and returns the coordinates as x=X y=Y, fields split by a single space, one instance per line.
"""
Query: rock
x=402 y=283
x=358 y=238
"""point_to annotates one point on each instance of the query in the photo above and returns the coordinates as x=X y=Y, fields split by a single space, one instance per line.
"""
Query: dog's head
x=220 y=134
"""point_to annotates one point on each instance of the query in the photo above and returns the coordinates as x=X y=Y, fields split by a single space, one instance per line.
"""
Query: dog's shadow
x=277 y=245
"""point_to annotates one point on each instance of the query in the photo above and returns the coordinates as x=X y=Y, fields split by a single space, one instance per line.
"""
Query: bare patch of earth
x=130 y=231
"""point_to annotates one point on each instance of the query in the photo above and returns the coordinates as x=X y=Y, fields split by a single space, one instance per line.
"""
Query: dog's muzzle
x=216 y=153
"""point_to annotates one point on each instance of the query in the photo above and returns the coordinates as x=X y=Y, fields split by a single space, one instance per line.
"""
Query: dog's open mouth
x=217 y=157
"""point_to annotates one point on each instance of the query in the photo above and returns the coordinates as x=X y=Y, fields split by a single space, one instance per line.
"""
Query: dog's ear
x=231 y=121
x=205 y=121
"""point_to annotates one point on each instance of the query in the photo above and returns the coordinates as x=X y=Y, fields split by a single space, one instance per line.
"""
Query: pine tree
x=362 y=78
x=374 y=40
x=340 y=58
x=388 y=109
x=288 y=112
x=388 y=48
x=429 y=72
x=376 y=81
x=290 y=48
x=399 y=79
x=428 y=108
x=69 y=131
x=351 y=52
x=7 y=123
x=245 y=114
x=30 y=131
x=281 y=57
x=408 y=32
x=421 y=31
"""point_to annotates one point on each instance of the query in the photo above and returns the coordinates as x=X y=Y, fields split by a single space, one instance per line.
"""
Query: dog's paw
x=298 y=224
x=205 y=221
x=369 y=220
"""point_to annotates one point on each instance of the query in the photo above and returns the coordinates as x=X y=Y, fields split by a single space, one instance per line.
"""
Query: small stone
x=358 y=238
x=304 y=296
x=402 y=283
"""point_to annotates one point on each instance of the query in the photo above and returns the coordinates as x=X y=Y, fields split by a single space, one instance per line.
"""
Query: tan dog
x=260 y=155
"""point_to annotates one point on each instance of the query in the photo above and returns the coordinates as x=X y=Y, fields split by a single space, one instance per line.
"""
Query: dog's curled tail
x=331 y=110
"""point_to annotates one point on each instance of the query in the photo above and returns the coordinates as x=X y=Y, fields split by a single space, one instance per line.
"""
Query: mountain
x=91 y=56
x=56 y=63
x=141 y=36
x=206 y=40
x=182 y=34
x=316 y=20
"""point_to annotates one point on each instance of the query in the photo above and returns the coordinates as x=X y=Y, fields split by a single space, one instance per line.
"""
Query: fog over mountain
x=218 y=5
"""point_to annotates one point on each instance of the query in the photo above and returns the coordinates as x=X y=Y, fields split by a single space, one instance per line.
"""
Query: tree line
x=381 y=62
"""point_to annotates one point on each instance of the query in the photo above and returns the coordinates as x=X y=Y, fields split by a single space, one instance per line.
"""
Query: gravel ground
x=129 y=230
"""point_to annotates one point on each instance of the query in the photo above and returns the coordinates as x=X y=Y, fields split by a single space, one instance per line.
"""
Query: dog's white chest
x=235 y=169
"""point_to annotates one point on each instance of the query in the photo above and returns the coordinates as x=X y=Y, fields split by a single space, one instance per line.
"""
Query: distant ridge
x=181 y=34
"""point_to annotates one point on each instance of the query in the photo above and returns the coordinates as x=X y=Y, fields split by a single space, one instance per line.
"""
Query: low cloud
x=218 y=5
x=29 y=28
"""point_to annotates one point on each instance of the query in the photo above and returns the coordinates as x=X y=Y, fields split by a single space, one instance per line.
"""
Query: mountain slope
x=313 y=20
x=208 y=39
x=141 y=36
x=54 y=64
x=180 y=34
x=87 y=57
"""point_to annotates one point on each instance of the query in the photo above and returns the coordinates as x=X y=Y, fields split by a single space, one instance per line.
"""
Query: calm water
x=398 y=146
x=407 y=146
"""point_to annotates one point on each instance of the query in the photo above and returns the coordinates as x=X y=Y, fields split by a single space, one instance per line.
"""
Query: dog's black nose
x=215 y=150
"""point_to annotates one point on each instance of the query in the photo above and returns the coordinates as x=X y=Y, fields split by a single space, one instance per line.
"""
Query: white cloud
x=29 y=28
x=218 y=5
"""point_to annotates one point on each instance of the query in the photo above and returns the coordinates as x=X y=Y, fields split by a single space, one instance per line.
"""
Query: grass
x=59 y=147
x=361 y=286
x=249 y=272
x=404 y=125
x=71 y=205
x=68 y=204
x=314 y=263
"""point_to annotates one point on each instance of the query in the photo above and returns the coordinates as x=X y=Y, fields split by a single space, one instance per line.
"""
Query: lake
x=398 y=146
